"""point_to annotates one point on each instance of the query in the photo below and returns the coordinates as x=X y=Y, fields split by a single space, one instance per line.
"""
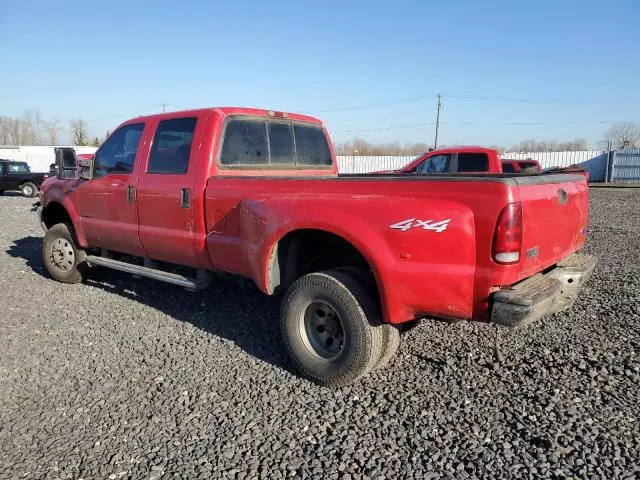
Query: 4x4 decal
x=439 y=226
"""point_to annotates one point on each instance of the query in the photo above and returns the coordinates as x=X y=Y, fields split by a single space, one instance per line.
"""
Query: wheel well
x=306 y=251
x=55 y=213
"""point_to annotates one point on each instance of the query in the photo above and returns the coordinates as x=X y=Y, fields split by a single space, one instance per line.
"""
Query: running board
x=192 y=285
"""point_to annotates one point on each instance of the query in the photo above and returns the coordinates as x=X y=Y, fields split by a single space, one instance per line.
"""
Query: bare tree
x=79 y=132
x=52 y=129
x=25 y=130
x=551 y=146
x=4 y=130
x=624 y=135
x=358 y=146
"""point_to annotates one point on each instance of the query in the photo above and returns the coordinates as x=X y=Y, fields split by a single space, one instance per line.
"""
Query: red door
x=106 y=203
x=165 y=192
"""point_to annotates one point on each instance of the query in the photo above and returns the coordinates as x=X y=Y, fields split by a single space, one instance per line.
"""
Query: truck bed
x=246 y=215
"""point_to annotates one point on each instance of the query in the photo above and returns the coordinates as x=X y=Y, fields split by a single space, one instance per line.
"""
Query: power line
x=125 y=114
x=411 y=125
x=391 y=127
x=377 y=117
x=544 y=100
x=371 y=105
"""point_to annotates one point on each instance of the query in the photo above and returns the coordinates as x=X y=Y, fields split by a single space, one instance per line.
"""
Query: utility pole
x=163 y=107
x=435 y=143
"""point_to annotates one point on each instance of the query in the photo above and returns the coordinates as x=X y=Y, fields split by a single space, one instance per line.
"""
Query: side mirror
x=86 y=168
x=65 y=165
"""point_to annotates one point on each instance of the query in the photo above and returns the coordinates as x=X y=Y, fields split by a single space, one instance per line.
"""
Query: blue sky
x=369 y=69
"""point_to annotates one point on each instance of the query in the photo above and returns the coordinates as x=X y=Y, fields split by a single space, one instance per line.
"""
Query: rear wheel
x=62 y=258
x=390 y=344
x=28 y=190
x=330 y=326
x=390 y=334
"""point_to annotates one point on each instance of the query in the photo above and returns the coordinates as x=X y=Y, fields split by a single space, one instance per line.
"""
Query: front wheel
x=331 y=328
x=28 y=190
x=62 y=258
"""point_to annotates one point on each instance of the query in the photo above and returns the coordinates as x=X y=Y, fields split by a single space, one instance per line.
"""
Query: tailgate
x=555 y=215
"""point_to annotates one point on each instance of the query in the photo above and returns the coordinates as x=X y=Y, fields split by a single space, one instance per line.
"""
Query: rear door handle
x=131 y=193
x=185 y=198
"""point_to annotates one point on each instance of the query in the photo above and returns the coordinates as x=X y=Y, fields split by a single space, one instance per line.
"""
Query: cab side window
x=18 y=168
x=435 y=164
x=473 y=162
x=118 y=153
x=171 y=147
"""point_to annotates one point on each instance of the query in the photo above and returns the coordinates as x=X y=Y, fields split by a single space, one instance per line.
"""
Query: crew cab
x=356 y=257
x=16 y=175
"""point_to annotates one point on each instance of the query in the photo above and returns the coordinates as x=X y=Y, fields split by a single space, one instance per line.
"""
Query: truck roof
x=226 y=111
x=461 y=149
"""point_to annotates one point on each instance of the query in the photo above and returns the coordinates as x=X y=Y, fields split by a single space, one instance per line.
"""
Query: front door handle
x=131 y=193
x=185 y=198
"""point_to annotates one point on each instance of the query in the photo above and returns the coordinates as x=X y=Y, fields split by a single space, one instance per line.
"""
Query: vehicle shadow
x=12 y=193
x=232 y=308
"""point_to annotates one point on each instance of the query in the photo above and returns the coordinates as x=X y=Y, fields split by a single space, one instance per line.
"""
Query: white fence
x=594 y=161
x=364 y=164
x=38 y=158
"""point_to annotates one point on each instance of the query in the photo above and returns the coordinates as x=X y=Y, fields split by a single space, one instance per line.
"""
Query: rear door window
x=274 y=143
x=508 y=168
x=473 y=162
x=435 y=164
x=171 y=147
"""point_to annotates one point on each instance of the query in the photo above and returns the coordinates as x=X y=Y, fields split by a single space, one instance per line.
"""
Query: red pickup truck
x=256 y=193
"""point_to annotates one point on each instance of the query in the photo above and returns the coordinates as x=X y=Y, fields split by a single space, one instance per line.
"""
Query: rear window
x=473 y=162
x=273 y=143
x=508 y=168
x=527 y=164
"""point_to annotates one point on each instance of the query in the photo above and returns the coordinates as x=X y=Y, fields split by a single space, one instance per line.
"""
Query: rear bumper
x=543 y=294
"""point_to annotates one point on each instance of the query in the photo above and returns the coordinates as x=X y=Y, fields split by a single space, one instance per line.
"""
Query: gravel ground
x=127 y=378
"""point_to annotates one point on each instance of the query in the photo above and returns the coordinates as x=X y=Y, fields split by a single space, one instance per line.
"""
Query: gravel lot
x=128 y=378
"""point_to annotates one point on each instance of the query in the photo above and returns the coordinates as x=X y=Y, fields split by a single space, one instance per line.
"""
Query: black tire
x=390 y=334
x=28 y=189
x=390 y=344
x=62 y=258
x=358 y=318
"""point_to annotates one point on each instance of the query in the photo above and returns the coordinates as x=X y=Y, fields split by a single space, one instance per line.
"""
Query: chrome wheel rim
x=27 y=190
x=321 y=329
x=62 y=254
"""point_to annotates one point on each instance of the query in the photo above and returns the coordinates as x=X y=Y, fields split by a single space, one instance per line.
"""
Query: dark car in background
x=15 y=175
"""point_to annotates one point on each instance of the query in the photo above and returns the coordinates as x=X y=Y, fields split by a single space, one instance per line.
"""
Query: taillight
x=507 y=239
